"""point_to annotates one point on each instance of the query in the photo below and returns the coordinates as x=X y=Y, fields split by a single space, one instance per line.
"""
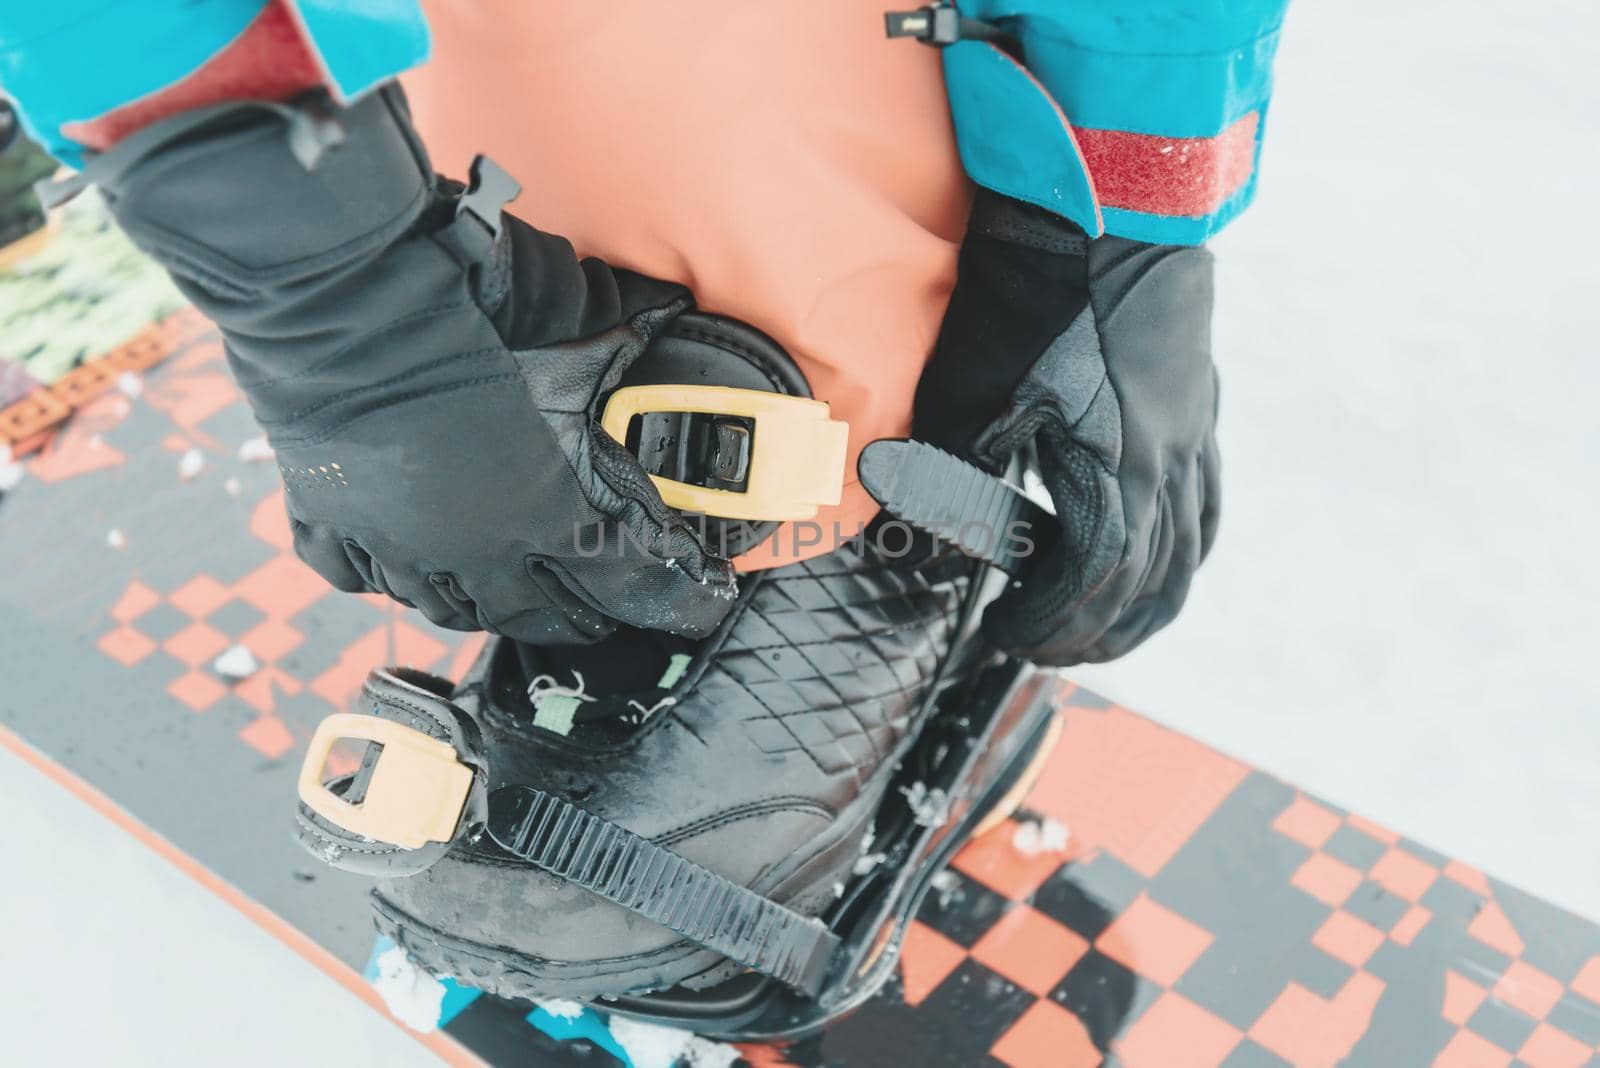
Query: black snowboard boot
x=728 y=834
x=762 y=754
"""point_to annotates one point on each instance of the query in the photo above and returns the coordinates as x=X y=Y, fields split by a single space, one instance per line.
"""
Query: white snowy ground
x=110 y=955
x=1400 y=613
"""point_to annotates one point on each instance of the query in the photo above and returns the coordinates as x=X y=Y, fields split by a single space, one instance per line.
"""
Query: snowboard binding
x=727 y=835
x=976 y=766
x=424 y=789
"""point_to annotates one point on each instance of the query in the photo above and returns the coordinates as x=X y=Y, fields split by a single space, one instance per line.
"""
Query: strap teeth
x=635 y=873
x=950 y=498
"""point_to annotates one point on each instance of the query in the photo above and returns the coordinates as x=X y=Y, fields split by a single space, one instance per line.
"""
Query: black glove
x=1098 y=355
x=427 y=368
x=22 y=163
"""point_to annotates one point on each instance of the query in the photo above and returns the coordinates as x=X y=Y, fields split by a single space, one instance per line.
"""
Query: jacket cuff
x=75 y=61
x=1141 y=120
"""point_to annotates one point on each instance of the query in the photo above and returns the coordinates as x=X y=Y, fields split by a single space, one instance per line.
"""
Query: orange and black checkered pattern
x=174 y=620
x=1201 y=914
x=1207 y=915
x=267 y=600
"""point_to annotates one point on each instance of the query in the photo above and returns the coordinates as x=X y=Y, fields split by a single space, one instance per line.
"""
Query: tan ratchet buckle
x=732 y=453
x=416 y=792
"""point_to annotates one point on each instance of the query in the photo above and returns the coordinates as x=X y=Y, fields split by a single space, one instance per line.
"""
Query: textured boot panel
x=767 y=769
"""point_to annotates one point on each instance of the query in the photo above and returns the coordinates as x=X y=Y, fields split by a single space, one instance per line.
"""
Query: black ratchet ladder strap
x=982 y=515
x=654 y=882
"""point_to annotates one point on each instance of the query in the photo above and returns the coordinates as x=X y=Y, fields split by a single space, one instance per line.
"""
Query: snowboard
x=1153 y=904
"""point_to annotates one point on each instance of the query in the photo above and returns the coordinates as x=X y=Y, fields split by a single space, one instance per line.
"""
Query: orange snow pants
x=782 y=158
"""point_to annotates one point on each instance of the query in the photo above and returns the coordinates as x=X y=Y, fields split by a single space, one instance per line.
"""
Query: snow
x=411 y=995
x=256 y=450
x=929 y=807
x=562 y=1009
x=946 y=888
x=237 y=663
x=652 y=1046
x=11 y=471
x=866 y=862
x=177 y=977
x=116 y=539
x=1035 y=838
x=1400 y=612
x=190 y=464
x=131 y=384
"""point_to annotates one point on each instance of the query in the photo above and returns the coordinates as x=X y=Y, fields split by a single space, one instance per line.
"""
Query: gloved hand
x=426 y=367
x=1098 y=354
x=22 y=163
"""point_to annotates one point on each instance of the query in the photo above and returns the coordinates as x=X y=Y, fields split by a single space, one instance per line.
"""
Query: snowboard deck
x=1199 y=912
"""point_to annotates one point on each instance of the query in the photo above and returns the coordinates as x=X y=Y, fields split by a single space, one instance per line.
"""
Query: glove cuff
x=250 y=195
x=1017 y=222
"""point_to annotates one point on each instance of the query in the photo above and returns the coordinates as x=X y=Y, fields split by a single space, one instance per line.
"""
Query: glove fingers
x=429 y=596
x=1164 y=594
x=380 y=580
x=693 y=607
x=659 y=594
x=1127 y=615
x=324 y=552
x=530 y=604
x=455 y=611
x=1210 y=494
x=1060 y=635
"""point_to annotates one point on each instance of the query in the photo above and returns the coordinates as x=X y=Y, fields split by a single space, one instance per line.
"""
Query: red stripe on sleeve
x=268 y=61
x=1169 y=175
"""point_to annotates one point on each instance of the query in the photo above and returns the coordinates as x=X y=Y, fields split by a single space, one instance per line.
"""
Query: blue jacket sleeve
x=1141 y=118
x=71 y=61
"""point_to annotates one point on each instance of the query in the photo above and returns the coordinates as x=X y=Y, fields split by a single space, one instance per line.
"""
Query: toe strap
x=418 y=784
x=661 y=886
